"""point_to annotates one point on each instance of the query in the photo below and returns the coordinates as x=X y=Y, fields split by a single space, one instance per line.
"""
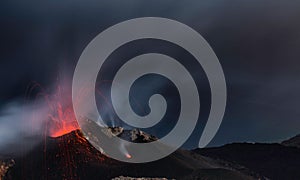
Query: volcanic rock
x=293 y=142
x=142 y=178
x=274 y=161
x=72 y=157
x=5 y=166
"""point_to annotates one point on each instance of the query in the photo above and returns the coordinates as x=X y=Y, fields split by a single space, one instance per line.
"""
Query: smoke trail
x=21 y=126
x=24 y=124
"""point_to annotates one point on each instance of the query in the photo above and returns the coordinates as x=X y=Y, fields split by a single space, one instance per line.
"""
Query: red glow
x=63 y=122
x=62 y=117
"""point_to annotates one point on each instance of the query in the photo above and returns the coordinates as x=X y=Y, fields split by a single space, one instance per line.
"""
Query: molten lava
x=128 y=156
x=62 y=118
x=63 y=121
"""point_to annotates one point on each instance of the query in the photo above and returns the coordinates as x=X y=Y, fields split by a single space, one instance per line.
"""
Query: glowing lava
x=128 y=156
x=62 y=119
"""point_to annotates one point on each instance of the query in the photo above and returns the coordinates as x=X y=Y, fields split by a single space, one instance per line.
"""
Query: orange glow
x=62 y=118
x=63 y=121
x=128 y=156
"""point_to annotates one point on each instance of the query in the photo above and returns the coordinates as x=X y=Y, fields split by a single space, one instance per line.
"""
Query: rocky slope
x=274 y=161
x=293 y=142
x=72 y=157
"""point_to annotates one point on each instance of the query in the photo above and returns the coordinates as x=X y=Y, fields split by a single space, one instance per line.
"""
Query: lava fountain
x=61 y=115
x=63 y=121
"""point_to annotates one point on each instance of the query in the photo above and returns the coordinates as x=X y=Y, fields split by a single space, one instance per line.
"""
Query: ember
x=128 y=156
x=63 y=121
x=62 y=117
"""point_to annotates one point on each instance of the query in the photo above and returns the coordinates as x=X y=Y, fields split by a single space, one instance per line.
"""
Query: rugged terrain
x=274 y=161
x=293 y=142
x=72 y=157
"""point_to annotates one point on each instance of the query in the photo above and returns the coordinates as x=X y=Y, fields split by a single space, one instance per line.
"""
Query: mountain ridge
x=293 y=142
x=271 y=160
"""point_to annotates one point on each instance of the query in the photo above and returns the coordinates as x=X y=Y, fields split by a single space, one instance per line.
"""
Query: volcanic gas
x=61 y=115
x=63 y=121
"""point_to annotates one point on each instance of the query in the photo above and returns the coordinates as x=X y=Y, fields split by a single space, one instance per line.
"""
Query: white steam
x=21 y=126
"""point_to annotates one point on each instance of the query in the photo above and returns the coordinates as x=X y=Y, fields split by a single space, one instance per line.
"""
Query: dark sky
x=257 y=42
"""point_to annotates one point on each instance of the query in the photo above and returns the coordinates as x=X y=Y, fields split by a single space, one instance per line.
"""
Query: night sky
x=257 y=43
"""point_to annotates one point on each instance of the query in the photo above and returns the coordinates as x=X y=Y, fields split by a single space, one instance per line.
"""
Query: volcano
x=71 y=156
